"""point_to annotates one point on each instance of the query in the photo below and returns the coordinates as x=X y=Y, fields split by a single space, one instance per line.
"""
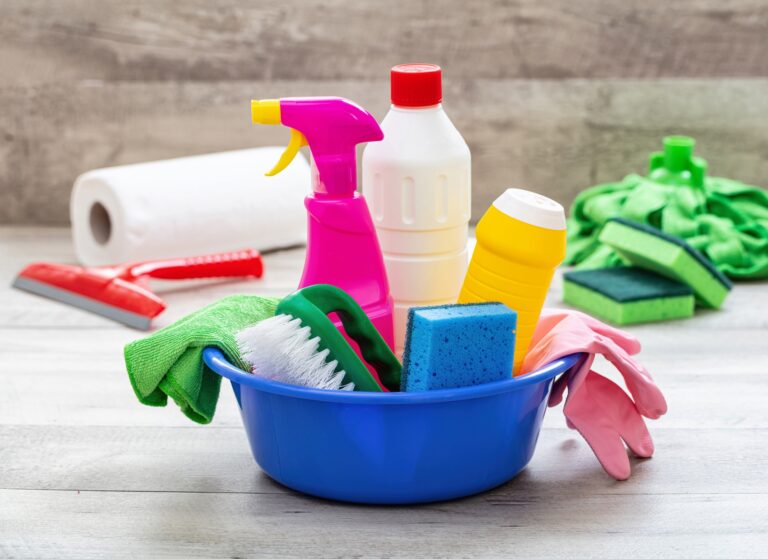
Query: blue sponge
x=451 y=346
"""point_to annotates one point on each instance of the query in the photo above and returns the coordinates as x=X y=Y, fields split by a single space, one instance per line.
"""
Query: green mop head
x=627 y=295
x=725 y=219
x=652 y=249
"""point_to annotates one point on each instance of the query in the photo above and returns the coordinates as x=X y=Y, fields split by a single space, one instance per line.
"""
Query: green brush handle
x=313 y=304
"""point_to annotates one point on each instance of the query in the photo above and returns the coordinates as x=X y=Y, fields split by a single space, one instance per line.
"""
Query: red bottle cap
x=416 y=85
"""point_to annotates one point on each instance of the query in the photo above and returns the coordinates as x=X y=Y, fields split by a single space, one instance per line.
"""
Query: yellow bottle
x=520 y=244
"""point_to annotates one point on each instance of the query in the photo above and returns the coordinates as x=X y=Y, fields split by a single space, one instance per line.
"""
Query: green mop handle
x=676 y=164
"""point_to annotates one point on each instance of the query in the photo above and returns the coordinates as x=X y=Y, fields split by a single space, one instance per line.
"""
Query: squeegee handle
x=240 y=263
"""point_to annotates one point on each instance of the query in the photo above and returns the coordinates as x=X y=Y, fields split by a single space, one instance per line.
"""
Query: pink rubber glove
x=596 y=407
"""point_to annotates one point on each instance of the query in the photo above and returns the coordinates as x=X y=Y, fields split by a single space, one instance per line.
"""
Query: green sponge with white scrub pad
x=650 y=248
x=627 y=295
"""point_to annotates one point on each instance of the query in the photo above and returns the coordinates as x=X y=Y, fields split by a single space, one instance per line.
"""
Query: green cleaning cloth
x=725 y=219
x=169 y=362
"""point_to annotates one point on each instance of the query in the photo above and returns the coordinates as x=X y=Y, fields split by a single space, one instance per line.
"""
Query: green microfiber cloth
x=725 y=219
x=627 y=295
x=652 y=249
x=169 y=362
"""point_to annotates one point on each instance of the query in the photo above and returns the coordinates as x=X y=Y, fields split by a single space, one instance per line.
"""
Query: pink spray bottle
x=342 y=246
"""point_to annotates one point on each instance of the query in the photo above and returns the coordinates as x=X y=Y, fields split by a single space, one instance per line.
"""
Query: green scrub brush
x=300 y=345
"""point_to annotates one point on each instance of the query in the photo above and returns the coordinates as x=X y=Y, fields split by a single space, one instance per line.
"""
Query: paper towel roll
x=189 y=206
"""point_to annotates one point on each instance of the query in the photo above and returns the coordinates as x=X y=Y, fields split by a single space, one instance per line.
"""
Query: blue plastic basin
x=392 y=448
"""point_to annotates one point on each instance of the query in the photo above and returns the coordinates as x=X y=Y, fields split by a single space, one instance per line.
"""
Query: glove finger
x=623 y=414
x=604 y=441
x=647 y=395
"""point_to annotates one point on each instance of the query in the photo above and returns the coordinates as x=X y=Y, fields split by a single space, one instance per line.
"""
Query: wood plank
x=82 y=377
x=107 y=524
x=743 y=309
x=331 y=39
x=554 y=137
x=210 y=459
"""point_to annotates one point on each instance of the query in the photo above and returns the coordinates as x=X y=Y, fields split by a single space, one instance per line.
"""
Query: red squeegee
x=122 y=293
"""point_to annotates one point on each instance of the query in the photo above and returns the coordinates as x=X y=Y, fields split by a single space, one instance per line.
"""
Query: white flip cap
x=531 y=208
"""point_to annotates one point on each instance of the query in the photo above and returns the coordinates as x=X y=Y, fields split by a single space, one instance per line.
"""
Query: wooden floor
x=86 y=471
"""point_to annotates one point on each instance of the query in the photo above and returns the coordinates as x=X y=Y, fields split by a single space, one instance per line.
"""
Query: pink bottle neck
x=343 y=249
x=338 y=178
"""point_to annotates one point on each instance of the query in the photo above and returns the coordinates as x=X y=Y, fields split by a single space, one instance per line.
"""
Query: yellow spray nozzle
x=266 y=111
x=297 y=142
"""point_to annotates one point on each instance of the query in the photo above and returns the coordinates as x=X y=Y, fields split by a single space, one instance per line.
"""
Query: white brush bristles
x=281 y=349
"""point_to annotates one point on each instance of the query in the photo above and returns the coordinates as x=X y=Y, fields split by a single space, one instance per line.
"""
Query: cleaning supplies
x=670 y=256
x=596 y=407
x=451 y=346
x=187 y=206
x=418 y=182
x=725 y=219
x=169 y=362
x=627 y=295
x=300 y=345
x=342 y=247
x=520 y=243
x=122 y=293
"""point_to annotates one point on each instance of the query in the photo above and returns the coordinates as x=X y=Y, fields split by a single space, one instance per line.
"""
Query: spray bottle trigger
x=298 y=140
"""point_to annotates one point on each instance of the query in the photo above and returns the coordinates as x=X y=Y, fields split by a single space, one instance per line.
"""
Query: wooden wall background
x=553 y=95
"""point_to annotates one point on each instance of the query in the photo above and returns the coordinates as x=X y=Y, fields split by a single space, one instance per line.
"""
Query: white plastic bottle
x=418 y=184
